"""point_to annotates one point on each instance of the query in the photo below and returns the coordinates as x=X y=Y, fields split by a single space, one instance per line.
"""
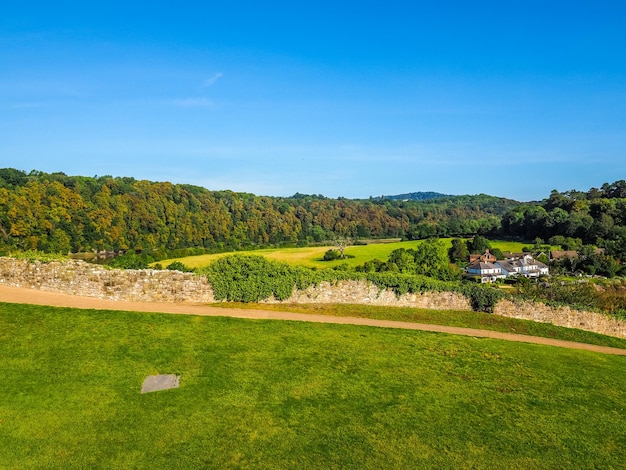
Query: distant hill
x=418 y=196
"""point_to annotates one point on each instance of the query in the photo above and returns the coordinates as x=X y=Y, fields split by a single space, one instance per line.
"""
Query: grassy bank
x=269 y=394
x=460 y=318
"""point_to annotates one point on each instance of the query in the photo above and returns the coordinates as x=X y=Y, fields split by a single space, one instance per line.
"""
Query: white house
x=530 y=267
x=487 y=270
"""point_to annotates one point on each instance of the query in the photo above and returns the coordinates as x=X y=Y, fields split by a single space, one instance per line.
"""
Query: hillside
x=54 y=212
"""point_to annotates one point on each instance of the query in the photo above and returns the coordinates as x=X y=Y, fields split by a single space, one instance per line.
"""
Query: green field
x=271 y=394
x=461 y=318
x=312 y=257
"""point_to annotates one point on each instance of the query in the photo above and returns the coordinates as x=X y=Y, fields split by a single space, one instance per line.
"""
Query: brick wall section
x=81 y=278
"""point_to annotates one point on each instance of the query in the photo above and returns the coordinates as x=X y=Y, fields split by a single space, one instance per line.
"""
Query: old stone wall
x=92 y=280
x=362 y=292
x=562 y=316
x=81 y=278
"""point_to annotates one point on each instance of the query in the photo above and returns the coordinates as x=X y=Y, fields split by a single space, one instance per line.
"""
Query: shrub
x=131 y=260
x=482 y=298
x=402 y=284
x=240 y=278
x=179 y=266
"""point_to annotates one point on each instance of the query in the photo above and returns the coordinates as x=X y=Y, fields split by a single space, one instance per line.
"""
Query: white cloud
x=199 y=101
x=211 y=80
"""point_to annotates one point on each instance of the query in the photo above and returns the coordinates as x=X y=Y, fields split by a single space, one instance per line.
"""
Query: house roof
x=506 y=265
x=482 y=265
x=486 y=256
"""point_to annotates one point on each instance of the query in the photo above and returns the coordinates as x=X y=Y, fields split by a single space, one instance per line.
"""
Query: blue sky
x=352 y=99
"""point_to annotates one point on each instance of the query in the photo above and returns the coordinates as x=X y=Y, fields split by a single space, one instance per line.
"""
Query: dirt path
x=37 y=297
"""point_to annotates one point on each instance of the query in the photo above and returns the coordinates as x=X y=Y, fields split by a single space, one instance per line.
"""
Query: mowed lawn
x=313 y=256
x=272 y=394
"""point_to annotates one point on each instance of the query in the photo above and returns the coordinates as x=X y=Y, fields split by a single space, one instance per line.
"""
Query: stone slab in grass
x=155 y=383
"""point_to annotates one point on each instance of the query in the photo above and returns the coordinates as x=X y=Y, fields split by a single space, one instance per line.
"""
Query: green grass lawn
x=312 y=257
x=461 y=318
x=271 y=394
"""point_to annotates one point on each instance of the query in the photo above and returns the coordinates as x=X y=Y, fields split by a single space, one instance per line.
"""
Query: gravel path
x=38 y=297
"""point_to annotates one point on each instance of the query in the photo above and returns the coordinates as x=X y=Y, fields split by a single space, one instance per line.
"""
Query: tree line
x=575 y=220
x=53 y=212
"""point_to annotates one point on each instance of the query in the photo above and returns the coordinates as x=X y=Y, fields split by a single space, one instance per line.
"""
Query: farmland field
x=313 y=256
x=270 y=394
x=308 y=256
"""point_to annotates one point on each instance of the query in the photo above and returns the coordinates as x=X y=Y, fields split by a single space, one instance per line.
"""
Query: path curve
x=23 y=295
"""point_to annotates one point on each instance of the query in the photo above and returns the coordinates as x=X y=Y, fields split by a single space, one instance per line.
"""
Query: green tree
x=478 y=245
x=458 y=252
x=431 y=259
x=403 y=261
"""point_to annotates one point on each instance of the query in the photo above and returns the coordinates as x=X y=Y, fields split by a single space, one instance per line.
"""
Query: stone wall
x=81 y=278
x=92 y=280
x=362 y=292
x=562 y=316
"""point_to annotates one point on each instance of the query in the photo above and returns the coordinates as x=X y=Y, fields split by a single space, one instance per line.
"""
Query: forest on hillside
x=56 y=213
x=53 y=212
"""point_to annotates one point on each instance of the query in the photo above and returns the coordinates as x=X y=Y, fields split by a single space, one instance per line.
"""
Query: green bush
x=179 y=266
x=402 y=284
x=240 y=278
x=131 y=260
x=482 y=298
